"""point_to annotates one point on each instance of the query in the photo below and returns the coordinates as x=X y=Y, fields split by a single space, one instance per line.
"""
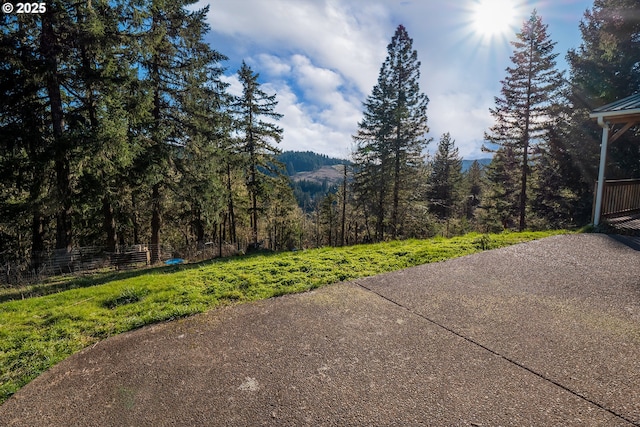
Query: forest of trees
x=117 y=130
x=305 y=161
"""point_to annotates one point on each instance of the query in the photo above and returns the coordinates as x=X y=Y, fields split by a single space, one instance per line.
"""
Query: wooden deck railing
x=620 y=197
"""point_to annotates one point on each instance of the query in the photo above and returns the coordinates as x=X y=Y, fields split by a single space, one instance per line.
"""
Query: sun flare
x=494 y=17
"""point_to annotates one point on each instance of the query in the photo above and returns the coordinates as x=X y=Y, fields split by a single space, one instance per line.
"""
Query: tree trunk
x=38 y=220
x=254 y=207
x=156 y=220
x=49 y=49
x=220 y=241
x=525 y=142
x=37 y=239
x=198 y=227
x=109 y=224
x=356 y=232
x=232 y=216
x=396 y=188
x=344 y=205
x=134 y=220
x=380 y=213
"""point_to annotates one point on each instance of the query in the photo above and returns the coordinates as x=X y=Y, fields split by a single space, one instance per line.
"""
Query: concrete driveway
x=541 y=333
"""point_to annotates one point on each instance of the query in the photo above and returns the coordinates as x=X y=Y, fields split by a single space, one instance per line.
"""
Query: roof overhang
x=626 y=110
x=615 y=117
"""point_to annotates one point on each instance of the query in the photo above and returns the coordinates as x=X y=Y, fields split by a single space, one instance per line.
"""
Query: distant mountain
x=297 y=162
x=466 y=164
x=306 y=161
x=314 y=175
x=330 y=174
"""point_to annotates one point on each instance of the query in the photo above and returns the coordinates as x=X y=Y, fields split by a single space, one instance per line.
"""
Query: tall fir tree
x=501 y=205
x=116 y=126
x=174 y=56
x=25 y=146
x=391 y=138
x=555 y=202
x=103 y=78
x=445 y=180
x=474 y=188
x=57 y=22
x=603 y=69
x=256 y=137
x=200 y=162
x=531 y=88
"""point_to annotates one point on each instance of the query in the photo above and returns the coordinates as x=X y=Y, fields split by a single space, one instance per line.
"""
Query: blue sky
x=322 y=58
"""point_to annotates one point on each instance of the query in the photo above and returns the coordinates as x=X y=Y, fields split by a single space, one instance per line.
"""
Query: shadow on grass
x=95 y=279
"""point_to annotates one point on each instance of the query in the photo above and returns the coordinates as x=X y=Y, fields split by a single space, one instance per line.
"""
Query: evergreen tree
x=55 y=28
x=391 y=138
x=329 y=217
x=445 y=180
x=84 y=128
x=25 y=146
x=554 y=201
x=530 y=89
x=284 y=224
x=176 y=60
x=256 y=136
x=603 y=69
x=474 y=188
x=202 y=159
x=103 y=81
x=502 y=204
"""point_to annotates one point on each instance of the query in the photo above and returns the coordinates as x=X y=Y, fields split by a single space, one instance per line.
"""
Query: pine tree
x=202 y=159
x=175 y=59
x=25 y=146
x=473 y=184
x=56 y=24
x=554 y=201
x=103 y=79
x=256 y=136
x=391 y=138
x=530 y=89
x=502 y=204
x=445 y=180
x=603 y=69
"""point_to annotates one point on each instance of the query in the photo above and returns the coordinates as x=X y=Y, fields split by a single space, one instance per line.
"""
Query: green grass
x=71 y=313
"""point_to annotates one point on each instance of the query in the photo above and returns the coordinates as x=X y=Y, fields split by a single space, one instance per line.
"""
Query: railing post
x=603 y=164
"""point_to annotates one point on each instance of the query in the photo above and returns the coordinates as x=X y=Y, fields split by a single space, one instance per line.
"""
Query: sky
x=322 y=58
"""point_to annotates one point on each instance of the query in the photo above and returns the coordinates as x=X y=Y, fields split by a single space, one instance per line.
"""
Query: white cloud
x=316 y=82
x=273 y=65
x=465 y=116
x=324 y=120
x=235 y=87
x=345 y=36
x=326 y=117
x=322 y=57
x=302 y=133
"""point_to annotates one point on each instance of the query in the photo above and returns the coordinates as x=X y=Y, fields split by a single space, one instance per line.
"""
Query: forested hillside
x=306 y=161
x=313 y=176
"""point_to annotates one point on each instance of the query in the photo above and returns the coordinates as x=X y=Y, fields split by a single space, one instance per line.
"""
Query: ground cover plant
x=44 y=324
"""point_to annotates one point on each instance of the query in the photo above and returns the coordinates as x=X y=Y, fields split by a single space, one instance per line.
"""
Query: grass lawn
x=42 y=325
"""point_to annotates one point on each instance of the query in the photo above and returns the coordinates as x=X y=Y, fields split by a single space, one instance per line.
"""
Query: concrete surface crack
x=501 y=356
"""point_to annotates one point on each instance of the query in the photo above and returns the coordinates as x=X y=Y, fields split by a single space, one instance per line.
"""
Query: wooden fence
x=91 y=258
x=620 y=197
x=78 y=260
